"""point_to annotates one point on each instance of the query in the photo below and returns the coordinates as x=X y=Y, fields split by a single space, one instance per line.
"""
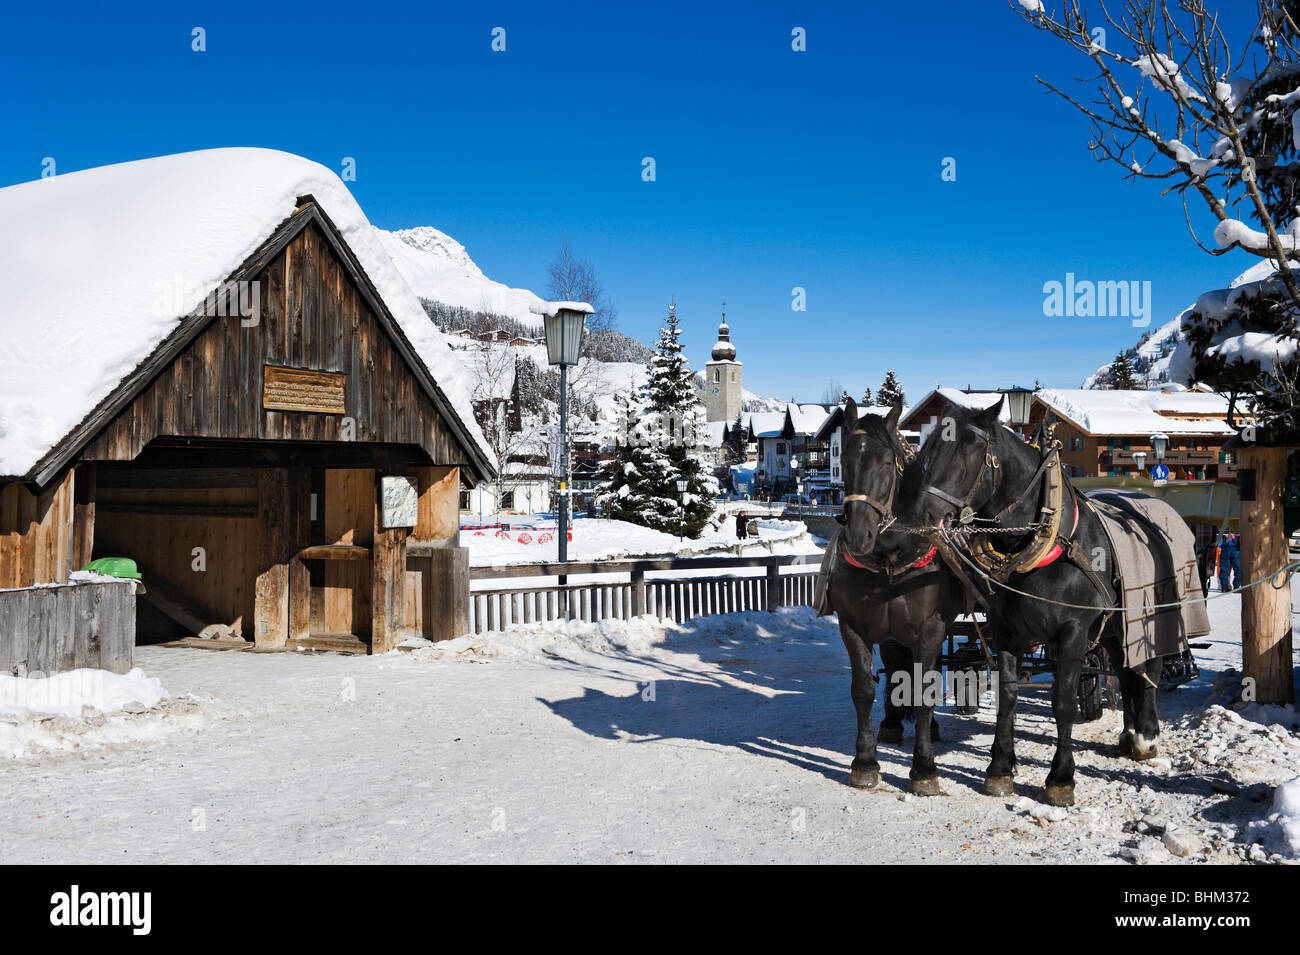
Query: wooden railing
x=678 y=597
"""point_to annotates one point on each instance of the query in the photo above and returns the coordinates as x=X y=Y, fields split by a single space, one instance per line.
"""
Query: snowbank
x=88 y=710
x=64 y=694
x=102 y=264
x=554 y=638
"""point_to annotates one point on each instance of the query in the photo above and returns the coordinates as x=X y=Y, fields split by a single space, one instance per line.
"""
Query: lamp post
x=564 y=323
x=1140 y=461
x=1159 y=444
x=794 y=467
x=681 y=494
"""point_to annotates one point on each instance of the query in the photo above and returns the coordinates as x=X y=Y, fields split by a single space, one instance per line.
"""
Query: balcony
x=1173 y=459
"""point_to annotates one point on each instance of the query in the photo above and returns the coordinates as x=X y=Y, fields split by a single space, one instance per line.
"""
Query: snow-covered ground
x=725 y=739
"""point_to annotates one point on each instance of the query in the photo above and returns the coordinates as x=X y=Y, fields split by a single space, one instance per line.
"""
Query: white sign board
x=401 y=501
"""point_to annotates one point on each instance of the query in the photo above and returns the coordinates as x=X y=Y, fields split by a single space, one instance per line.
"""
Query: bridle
x=990 y=469
x=885 y=510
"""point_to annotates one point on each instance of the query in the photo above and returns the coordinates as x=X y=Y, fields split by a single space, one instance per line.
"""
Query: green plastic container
x=114 y=567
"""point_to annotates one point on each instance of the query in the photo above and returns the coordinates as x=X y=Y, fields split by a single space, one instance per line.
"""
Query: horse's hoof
x=926 y=787
x=864 y=778
x=889 y=734
x=999 y=786
x=1143 y=748
x=1058 y=795
x=1137 y=747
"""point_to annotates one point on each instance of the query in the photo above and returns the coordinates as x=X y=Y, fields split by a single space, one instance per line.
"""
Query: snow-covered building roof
x=916 y=417
x=1139 y=412
x=766 y=424
x=835 y=418
x=803 y=420
x=103 y=265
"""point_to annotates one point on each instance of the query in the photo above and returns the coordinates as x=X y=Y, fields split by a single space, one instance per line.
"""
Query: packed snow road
x=726 y=740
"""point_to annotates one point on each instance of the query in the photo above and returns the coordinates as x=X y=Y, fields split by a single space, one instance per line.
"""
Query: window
x=780 y=447
x=733 y=375
x=508 y=500
x=464 y=500
x=717 y=374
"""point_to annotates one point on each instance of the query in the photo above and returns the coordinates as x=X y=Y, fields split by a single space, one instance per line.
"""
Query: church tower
x=722 y=377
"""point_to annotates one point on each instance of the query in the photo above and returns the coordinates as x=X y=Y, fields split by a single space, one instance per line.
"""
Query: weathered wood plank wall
x=52 y=629
x=36 y=533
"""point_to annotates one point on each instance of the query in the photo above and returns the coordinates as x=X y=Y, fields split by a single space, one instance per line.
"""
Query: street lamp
x=564 y=323
x=681 y=492
x=1140 y=461
x=794 y=467
x=1159 y=442
x=1019 y=401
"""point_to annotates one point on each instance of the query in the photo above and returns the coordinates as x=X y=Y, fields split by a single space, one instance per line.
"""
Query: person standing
x=1230 y=561
x=742 y=531
x=1205 y=553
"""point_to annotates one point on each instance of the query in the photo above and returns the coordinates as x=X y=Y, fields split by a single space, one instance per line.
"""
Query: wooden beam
x=388 y=579
x=83 y=516
x=1265 y=611
x=181 y=510
x=271 y=607
x=334 y=552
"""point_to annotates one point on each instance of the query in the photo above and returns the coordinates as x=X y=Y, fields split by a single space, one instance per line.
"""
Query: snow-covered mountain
x=437 y=267
x=1153 y=357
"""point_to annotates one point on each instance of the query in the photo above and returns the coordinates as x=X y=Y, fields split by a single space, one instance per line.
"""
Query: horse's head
x=871 y=459
x=955 y=468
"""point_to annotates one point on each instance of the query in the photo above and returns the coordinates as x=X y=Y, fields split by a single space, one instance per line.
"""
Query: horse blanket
x=1155 y=553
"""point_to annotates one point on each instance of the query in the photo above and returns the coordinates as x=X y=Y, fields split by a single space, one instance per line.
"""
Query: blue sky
x=775 y=169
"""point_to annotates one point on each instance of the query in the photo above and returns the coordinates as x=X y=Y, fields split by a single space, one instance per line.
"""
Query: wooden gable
x=323 y=361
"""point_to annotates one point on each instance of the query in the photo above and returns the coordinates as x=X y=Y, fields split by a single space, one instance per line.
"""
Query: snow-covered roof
x=805 y=419
x=101 y=265
x=1138 y=412
x=767 y=424
x=975 y=400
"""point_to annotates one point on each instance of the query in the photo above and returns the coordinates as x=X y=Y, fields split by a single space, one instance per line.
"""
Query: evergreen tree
x=1121 y=374
x=890 y=392
x=662 y=442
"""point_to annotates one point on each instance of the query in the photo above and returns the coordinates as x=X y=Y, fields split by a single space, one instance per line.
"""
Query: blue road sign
x=1160 y=473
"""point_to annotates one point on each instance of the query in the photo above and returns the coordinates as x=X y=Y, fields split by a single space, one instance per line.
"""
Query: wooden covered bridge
x=281 y=463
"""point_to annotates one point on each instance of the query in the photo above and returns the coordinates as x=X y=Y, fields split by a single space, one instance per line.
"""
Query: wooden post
x=387 y=579
x=1265 y=611
x=299 y=504
x=271 y=607
x=773 y=585
x=83 y=516
x=444 y=591
x=638 y=592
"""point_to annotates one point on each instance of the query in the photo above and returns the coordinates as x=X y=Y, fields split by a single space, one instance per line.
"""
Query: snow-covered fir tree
x=661 y=442
x=1121 y=374
x=890 y=392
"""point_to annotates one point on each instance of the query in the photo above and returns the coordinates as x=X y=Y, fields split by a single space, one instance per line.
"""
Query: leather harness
x=1048 y=542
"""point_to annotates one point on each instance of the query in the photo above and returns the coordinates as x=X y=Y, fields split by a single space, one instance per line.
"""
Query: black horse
x=888 y=588
x=980 y=476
